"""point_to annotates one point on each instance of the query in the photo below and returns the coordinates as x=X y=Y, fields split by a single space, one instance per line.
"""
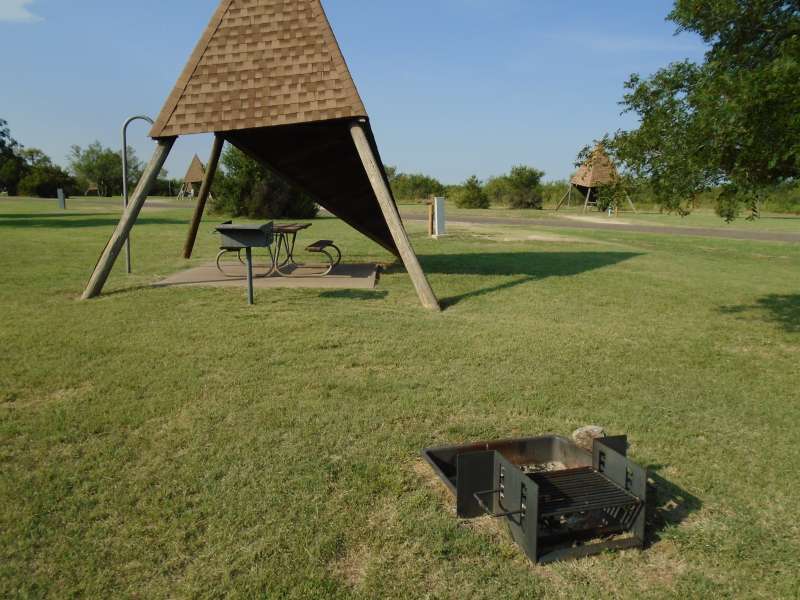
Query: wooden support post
x=202 y=197
x=430 y=218
x=117 y=241
x=392 y=216
x=633 y=206
x=588 y=196
x=564 y=197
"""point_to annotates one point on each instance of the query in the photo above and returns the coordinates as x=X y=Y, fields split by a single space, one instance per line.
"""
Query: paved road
x=734 y=234
x=111 y=202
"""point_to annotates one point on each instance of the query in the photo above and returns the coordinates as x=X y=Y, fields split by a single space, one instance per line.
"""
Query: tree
x=524 y=187
x=248 y=188
x=34 y=157
x=730 y=121
x=497 y=189
x=45 y=181
x=414 y=186
x=42 y=178
x=391 y=172
x=102 y=167
x=12 y=166
x=471 y=194
x=521 y=188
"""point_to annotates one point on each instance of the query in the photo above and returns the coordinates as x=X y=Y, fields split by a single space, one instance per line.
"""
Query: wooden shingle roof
x=261 y=63
x=196 y=172
x=596 y=171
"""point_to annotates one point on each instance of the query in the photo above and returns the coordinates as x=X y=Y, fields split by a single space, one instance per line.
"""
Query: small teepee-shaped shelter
x=193 y=179
x=268 y=77
x=597 y=171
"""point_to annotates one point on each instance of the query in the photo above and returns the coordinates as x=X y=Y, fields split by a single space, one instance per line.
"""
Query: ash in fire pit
x=543 y=467
x=560 y=501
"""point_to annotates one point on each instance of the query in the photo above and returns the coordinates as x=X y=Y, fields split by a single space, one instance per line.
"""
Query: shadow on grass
x=667 y=505
x=776 y=308
x=524 y=266
x=66 y=221
x=355 y=294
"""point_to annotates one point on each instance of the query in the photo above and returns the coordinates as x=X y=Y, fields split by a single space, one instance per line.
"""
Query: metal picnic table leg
x=291 y=251
x=283 y=240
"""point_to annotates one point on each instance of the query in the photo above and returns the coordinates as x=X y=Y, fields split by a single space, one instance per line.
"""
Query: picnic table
x=286 y=238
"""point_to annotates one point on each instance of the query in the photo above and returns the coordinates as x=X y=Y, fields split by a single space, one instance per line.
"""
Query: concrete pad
x=344 y=276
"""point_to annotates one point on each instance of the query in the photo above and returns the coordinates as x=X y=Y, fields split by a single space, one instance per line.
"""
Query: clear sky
x=453 y=87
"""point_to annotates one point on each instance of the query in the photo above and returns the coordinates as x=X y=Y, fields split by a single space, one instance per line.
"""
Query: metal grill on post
x=246 y=237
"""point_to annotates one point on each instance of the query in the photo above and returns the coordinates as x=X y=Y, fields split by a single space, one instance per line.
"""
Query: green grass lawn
x=178 y=443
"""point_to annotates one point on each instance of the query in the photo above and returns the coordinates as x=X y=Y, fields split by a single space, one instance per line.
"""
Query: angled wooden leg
x=564 y=197
x=588 y=196
x=117 y=241
x=633 y=206
x=389 y=210
x=202 y=198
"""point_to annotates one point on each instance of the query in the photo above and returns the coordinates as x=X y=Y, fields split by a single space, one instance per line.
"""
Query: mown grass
x=175 y=442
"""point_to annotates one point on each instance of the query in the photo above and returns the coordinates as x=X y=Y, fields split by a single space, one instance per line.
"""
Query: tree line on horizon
x=723 y=131
x=30 y=172
x=520 y=188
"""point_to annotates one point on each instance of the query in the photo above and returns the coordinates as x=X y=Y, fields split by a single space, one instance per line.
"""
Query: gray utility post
x=125 y=180
x=439 y=222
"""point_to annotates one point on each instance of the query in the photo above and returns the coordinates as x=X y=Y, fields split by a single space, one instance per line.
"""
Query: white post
x=439 y=223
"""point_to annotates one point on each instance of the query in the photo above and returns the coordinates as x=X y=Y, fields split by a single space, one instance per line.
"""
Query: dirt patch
x=603 y=220
x=27 y=399
x=352 y=568
x=503 y=234
x=664 y=565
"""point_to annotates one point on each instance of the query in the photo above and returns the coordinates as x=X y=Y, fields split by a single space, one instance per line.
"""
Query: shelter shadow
x=667 y=504
x=783 y=309
x=528 y=266
x=355 y=294
x=56 y=221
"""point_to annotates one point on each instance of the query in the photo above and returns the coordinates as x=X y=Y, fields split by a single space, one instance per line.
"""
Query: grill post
x=249 y=254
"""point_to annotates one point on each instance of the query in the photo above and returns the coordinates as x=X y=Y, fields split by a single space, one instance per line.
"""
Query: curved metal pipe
x=125 y=179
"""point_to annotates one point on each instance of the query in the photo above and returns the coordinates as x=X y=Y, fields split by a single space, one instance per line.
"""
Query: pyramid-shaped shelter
x=268 y=76
x=596 y=171
x=196 y=172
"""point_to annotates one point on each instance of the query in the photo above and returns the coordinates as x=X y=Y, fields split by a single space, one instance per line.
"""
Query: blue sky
x=453 y=87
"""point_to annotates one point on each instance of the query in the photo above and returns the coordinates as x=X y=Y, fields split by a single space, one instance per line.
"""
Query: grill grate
x=578 y=490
